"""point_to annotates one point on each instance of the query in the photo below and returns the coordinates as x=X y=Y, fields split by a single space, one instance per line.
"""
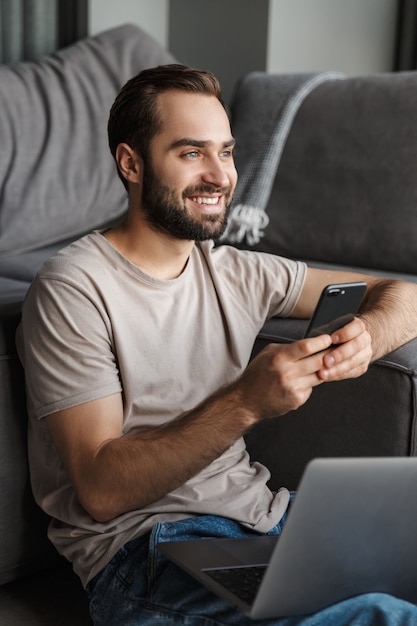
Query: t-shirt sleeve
x=65 y=344
x=264 y=284
x=283 y=282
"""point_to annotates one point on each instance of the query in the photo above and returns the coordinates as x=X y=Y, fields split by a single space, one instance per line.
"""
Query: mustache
x=206 y=188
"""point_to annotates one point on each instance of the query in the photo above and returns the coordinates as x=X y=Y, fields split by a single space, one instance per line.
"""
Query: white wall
x=151 y=15
x=352 y=36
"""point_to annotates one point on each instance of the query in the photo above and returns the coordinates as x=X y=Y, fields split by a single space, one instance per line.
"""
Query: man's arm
x=113 y=474
x=388 y=314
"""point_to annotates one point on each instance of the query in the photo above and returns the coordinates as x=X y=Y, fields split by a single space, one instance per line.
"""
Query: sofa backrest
x=345 y=191
x=57 y=177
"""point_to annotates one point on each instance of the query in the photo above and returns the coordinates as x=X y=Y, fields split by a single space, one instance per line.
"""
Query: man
x=136 y=344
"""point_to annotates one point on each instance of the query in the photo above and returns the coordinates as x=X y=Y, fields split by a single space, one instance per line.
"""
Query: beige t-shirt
x=94 y=324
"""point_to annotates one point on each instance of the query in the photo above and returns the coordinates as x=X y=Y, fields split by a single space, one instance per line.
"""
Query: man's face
x=190 y=177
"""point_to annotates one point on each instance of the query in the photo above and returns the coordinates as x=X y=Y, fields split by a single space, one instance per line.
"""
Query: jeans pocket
x=119 y=591
x=131 y=567
x=156 y=560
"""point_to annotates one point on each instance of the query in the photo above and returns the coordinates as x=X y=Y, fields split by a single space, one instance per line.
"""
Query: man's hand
x=282 y=377
x=351 y=356
x=388 y=311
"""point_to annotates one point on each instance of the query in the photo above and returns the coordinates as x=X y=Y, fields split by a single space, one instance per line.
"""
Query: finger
x=353 y=346
x=302 y=364
x=296 y=393
x=297 y=377
x=304 y=348
x=354 y=364
x=338 y=375
x=349 y=331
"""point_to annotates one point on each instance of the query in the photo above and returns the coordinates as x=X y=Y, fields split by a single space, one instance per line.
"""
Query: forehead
x=195 y=115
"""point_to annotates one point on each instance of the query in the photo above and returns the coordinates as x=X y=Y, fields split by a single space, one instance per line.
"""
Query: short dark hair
x=134 y=117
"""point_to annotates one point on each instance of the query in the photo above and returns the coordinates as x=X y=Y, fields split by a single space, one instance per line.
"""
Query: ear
x=129 y=163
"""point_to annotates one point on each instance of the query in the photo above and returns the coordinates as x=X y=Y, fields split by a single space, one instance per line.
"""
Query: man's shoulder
x=82 y=255
x=75 y=274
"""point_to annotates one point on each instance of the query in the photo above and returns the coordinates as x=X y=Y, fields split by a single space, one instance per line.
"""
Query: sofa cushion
x=346 y=175
x=57 y=177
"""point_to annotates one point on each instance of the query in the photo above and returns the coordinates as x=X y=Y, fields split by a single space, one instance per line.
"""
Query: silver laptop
x=351 y=530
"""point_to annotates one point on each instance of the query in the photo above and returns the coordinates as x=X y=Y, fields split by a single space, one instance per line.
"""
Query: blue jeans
x=141 y=587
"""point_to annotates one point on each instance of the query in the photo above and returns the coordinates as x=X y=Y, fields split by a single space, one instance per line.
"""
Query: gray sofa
x=344 y=195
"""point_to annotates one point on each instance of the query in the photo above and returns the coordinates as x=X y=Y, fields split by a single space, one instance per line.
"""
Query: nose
x=217 y=173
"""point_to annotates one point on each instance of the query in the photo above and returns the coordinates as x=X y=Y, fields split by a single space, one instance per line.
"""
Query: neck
x=157 y=254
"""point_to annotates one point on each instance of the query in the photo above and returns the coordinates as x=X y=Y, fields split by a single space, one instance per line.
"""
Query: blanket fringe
x=246 y=222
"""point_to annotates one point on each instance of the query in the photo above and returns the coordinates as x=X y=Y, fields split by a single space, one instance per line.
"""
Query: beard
x=167 y=214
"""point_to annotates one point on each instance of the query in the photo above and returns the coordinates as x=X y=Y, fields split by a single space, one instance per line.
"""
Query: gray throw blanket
x=265 y=106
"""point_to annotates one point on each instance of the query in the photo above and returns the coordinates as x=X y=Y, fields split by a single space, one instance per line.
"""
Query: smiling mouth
x=206 y=200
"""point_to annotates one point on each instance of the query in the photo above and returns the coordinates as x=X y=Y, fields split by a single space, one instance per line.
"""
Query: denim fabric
x=140 y=587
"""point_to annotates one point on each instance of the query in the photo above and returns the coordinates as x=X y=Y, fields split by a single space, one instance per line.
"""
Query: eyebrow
x=196 y=143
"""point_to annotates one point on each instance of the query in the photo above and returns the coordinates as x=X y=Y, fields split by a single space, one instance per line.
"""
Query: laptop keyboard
x=244 y=582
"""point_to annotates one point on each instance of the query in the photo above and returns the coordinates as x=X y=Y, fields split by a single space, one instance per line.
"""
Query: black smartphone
x=337 y=306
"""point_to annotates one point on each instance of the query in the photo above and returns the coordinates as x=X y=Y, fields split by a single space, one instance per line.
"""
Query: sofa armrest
x=374 y=415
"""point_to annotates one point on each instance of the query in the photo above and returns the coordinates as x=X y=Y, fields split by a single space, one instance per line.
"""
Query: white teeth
x=205 y=200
